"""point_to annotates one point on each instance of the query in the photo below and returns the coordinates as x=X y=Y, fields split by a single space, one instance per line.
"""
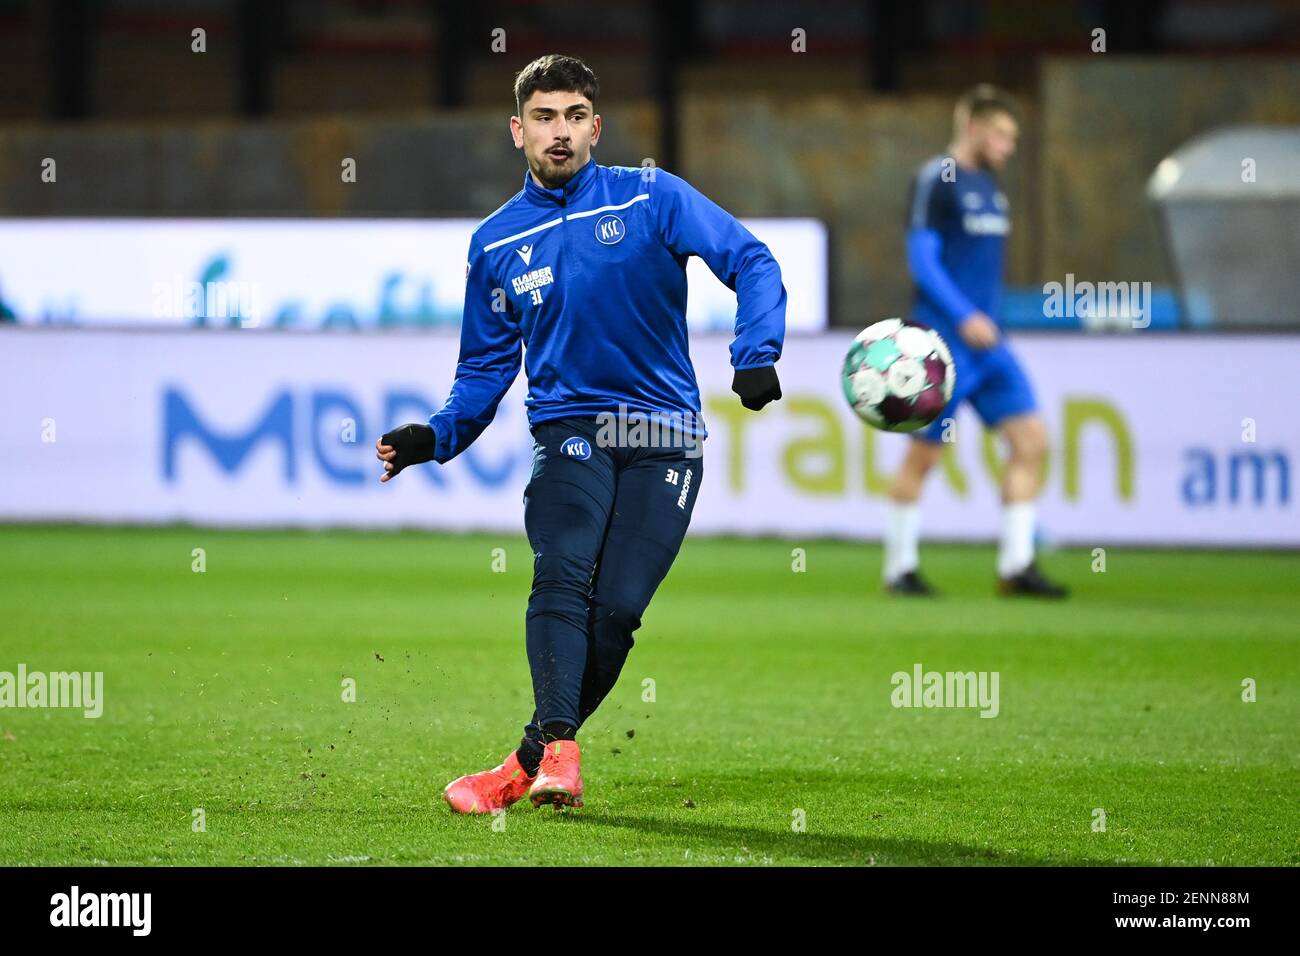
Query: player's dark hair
x=983 y=99
x=553 y=72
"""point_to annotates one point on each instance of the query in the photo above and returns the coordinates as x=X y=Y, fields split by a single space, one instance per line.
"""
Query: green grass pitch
x=772 y=705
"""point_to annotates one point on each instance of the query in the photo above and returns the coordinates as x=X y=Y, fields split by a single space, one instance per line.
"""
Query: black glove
x=756 y=386
x=414 y=444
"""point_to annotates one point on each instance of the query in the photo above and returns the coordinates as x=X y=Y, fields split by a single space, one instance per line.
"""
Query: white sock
x=1016 y=549
x=902 y=537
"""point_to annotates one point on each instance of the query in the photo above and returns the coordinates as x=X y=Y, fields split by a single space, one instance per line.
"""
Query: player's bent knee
x=923 y=455
x=1027 y=438
x=560 y=585
x=1028 y=452
x=1034 y=447
x=559 y=600
x=556 y=567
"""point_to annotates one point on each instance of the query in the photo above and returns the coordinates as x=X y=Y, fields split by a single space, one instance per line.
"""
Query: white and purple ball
x=898 y=376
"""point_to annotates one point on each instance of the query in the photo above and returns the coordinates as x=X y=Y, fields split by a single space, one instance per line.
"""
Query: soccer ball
x=898 y=376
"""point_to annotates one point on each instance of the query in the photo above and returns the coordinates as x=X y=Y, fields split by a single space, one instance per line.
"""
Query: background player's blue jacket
x=591 y=279
x=956 y=243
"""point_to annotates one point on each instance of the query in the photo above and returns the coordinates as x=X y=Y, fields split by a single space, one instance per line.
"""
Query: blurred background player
x=592 y=260
x=957 y=227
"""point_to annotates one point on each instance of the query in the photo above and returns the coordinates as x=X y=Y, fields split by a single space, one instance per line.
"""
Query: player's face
x=994 y=139
x=556 y=133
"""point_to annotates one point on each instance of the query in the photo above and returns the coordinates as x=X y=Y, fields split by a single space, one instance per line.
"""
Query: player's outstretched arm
x=489 y=362
x=692 y=224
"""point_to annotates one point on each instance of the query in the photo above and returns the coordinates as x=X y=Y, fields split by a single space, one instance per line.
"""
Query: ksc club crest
x=610 y=230
x=576 y=447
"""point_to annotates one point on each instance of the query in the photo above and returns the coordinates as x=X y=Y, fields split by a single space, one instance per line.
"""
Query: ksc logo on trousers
x=576 y=447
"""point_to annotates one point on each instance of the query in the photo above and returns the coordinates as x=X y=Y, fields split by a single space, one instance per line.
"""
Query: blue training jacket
x=591 y=279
